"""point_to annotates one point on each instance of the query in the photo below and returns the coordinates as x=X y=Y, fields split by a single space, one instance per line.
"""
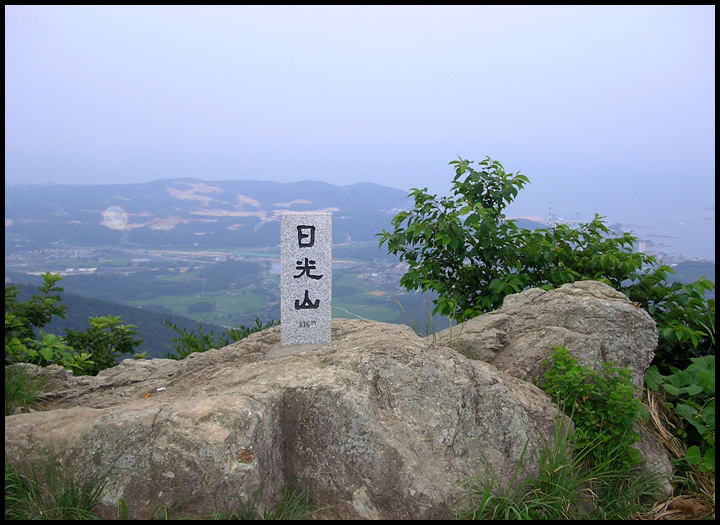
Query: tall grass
x=50 y=495
x=567 y=487
x=296 y=504
x=47 y=493
x=22 y=388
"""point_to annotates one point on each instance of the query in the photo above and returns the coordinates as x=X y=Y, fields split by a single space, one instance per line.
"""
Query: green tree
x=34 y=313
x=463 y=247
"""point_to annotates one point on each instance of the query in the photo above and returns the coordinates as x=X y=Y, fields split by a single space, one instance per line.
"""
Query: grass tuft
x=22 y=388
x=51 y=496
x=568 y=486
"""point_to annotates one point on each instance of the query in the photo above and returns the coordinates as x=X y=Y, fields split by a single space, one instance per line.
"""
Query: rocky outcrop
x=378 y=424
x=596 y=323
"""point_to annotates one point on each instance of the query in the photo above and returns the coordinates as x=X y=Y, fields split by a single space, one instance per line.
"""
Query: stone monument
x=305 y=277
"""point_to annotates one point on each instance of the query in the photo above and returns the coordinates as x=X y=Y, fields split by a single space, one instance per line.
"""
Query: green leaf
x=706 y=379
x=47 y=353
x=693 y=455
x=671 y=389
x=653 y=378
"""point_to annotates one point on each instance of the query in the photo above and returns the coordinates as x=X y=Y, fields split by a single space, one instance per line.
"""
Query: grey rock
x=379 y=424
x=596 y=323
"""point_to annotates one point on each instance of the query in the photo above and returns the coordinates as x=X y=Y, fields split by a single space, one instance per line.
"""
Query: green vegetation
x=21 y=389
x=464 y=248
x=601 y=404
x=85 y=353
x=460 y=246
x=573 y=482
x=149 y=323
x=296 y=504
x=590 y=473
x=105 y=341
x=50 y=495
x=692 y=395
x=191 y=342
x=56 y=495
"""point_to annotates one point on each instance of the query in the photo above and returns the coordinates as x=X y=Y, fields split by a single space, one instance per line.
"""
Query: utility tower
x=551 y=218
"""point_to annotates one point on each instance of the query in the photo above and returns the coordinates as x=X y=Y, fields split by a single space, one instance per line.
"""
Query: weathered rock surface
x=595 y=322
x=378 y=424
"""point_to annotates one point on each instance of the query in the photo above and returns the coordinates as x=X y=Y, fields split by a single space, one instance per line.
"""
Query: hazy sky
x=607 y=109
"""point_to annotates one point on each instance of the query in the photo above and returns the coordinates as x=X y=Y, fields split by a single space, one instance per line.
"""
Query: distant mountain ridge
x=189 y=212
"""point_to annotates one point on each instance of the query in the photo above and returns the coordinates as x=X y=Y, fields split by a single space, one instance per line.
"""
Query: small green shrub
x=684 y=313
x=587 y=474
x=106 y=340
x=569 y=485
x=192 y=342
x=601 y=404
x=85 y=353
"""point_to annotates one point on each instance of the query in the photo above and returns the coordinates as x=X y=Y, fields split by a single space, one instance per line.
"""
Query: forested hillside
x=156 y=337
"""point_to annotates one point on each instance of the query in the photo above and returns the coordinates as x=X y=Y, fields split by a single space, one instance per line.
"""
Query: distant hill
x=184 y=213
x=156 y=337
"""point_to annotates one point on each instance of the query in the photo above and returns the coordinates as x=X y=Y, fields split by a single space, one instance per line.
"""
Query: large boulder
x=596 y=323
x=378 y=424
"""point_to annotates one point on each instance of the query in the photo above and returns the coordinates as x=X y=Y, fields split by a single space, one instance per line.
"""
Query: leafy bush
x=85 y=353
x=464 y=248
x=106 y=340
x=685 y=316
x=601 y=404
x=572 y=483
x=692 y=392
x=191 y=342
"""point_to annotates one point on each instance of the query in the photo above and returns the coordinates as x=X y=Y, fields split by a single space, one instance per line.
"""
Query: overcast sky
x=607 y=109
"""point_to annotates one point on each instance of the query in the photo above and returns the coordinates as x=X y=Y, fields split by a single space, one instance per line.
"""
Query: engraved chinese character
x=307 y=304
x=305 y=269
x=306 y=240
